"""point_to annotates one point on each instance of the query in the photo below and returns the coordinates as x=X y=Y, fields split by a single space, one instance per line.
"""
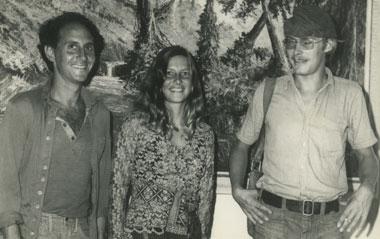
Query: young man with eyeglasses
x=311 y=116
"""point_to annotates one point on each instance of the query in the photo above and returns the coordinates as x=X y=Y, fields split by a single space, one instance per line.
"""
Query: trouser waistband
x=306 y=207
x=54 y=220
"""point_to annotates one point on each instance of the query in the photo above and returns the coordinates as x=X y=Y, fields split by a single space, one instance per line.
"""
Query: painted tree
x=243 y=47
x=349 y=57
x=148 y=40
x=245 y=8
x=349 y=15
x=208 y=42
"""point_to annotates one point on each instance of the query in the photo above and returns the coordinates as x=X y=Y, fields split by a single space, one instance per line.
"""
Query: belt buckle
x=307 y=208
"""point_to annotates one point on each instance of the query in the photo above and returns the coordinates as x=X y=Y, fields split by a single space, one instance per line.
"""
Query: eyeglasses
x=305 y=43
x=183 y=75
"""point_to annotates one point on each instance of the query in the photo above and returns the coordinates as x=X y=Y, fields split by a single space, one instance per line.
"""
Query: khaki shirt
x=305 y=146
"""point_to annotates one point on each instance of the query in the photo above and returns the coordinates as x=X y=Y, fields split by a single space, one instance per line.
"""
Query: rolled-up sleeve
x=13 y=135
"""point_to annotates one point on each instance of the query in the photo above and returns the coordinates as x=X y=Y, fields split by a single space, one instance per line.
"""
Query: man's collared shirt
x=26 y=144
x=69 y=181
x=305 y=146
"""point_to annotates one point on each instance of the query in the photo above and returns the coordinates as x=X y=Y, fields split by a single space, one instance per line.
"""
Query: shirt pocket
x=327 y=136
x=327 y=149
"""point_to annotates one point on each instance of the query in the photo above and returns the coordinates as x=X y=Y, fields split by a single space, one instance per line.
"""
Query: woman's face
x=177 y=81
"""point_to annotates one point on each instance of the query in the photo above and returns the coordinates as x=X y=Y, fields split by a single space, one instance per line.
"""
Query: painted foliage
x=237 y=43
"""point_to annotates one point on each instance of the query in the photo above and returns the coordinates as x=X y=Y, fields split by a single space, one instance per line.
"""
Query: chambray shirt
x=25 y=155
x=305 y=146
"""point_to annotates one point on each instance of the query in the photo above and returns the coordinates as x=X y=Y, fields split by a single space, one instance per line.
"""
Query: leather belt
x=307 y=208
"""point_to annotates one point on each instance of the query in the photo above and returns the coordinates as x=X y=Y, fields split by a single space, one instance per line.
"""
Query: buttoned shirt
x=69 y=180
x=304 y=152
x=26 y=143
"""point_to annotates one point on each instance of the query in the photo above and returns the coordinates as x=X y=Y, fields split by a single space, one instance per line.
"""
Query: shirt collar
x=88 y=98
x=330 y=79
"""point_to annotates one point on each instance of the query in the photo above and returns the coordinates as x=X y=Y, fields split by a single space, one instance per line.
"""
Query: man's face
x=74 y=55
x=306 y=55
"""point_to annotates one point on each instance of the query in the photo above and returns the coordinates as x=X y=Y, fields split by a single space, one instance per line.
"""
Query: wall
x=229 y=220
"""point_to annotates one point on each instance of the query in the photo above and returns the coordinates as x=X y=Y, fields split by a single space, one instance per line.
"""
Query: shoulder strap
x=268 y=93
x=269 y=84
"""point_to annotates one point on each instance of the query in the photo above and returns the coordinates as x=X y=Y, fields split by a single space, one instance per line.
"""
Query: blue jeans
x=293 y=225
x=56 y=227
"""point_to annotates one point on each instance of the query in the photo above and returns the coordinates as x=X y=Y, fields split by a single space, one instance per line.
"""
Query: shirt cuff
x=364 y=144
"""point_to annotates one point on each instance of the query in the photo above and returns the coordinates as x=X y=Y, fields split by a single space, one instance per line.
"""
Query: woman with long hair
x=164 y=167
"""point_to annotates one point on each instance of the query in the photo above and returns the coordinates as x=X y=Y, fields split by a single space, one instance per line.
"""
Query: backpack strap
x=268 y=93
x=269 y=84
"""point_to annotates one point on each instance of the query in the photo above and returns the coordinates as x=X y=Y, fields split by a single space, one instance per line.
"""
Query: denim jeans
x=293 y=225
x=56 y=227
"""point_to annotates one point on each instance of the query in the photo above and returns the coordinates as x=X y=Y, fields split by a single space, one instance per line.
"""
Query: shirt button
x=39 y=192
x=43 y=179
x=64 y=125
x=32 y=233
x=38 y=206
x=47 y=138
x=45 y=167
x=72 y=138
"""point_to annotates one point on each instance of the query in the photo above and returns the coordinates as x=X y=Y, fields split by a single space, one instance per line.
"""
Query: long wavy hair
x=152 y=99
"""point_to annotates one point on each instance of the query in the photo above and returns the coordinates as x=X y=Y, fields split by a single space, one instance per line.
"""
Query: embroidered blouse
x=170 y=188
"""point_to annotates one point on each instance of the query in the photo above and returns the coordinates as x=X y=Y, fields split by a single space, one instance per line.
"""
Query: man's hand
x=356 y=213
x=357 y=210
x=248 y=201
x=12 y=232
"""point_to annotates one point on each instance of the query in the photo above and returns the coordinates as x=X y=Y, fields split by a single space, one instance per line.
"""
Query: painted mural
x=237 y=43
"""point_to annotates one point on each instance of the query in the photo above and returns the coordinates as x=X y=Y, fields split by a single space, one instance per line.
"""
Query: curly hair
x=50 y=29
x=152 y=100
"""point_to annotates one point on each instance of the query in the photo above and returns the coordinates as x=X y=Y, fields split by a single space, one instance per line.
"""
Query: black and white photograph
x=200 y=119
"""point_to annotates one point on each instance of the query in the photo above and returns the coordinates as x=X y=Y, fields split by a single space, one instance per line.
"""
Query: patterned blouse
x=170 y=187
